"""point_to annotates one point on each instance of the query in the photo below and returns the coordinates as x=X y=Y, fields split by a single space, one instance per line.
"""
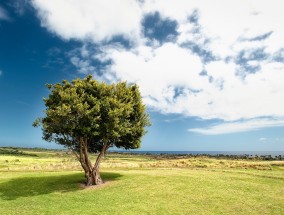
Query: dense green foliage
x=90 y=116
x=95 y=110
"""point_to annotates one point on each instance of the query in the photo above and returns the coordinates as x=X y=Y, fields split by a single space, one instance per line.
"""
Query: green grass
x=141 y=185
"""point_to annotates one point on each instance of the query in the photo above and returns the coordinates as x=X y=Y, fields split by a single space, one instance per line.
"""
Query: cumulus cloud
x=170 y=82
x=90 y=19
x=149 y=68
x=216 y=61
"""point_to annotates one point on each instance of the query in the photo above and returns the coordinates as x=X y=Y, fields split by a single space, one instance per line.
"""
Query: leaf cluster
x=96 y=111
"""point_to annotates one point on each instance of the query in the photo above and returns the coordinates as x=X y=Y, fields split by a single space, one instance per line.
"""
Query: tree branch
x=86 y=154
x=75 y=153
x=102 y=153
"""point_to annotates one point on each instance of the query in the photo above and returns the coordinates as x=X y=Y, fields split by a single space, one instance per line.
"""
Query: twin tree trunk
x=92 y=172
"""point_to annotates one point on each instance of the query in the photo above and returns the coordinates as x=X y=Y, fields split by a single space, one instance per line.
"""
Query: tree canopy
x=90 y=116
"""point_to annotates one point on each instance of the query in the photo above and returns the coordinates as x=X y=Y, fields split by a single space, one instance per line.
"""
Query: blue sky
x=212 y=76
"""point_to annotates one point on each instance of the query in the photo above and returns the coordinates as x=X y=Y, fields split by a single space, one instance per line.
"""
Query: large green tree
x=88 y=116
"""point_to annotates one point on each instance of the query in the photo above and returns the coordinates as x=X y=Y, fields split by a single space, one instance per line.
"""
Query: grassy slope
x=139 y=190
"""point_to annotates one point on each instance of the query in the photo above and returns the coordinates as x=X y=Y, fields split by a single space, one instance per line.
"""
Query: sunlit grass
x=139 y=184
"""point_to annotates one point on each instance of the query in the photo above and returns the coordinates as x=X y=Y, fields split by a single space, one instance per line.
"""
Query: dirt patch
x=94 y=187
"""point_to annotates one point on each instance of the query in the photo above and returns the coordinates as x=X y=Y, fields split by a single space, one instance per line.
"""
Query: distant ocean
x=251 y=153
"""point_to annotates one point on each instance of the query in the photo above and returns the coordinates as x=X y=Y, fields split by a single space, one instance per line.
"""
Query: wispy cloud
x=4 y=15
x=20 y=6
x=262 y=139
x=240 y=126
x=1 y=72
x=272 y=140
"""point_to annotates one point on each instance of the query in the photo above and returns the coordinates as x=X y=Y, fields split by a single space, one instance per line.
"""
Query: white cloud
x=256 y=95
x=90 y=19
x=159 y=72
x=19 y=6
x=169 y=74
x=227 y=22
x=170 y=81
x=262 y=139
x=277 y=140
x=84 y=66
x=242 y=126
x=3 y=14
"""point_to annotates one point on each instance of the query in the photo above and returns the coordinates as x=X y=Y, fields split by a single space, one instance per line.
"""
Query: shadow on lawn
x=40 y=185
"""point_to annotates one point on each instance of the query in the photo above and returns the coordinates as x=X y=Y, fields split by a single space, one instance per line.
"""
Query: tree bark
x=96 y=168
x=92 y=173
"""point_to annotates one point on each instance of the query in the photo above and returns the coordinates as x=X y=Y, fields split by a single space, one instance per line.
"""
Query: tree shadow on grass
x=46 y=184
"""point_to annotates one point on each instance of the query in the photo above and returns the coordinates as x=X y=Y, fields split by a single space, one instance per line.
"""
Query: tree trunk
x=93 y=178
x=97 y=177
x=92 y=173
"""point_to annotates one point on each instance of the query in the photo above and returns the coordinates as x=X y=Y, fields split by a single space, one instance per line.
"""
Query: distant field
x=48 y=182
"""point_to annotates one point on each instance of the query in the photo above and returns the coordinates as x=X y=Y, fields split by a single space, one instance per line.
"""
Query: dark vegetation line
x=219 y=156
x=14 y=151
x=161 y=156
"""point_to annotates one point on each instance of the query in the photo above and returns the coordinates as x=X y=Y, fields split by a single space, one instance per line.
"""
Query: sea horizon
x=251 y=153
x=185 y=152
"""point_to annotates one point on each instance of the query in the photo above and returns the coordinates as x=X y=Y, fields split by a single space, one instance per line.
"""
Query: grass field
x=49 y=182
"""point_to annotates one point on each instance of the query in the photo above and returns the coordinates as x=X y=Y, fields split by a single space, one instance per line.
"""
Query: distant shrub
x=14 y=151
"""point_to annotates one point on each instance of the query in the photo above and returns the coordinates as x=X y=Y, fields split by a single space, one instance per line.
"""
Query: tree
x=88 y=116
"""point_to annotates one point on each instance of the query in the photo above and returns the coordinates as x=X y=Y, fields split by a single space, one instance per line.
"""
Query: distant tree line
x=218 y=156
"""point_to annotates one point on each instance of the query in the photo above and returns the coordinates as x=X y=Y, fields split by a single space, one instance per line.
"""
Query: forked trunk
x=92 y=173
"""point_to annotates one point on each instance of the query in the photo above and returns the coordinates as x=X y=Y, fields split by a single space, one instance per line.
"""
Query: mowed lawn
x=144 y=191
